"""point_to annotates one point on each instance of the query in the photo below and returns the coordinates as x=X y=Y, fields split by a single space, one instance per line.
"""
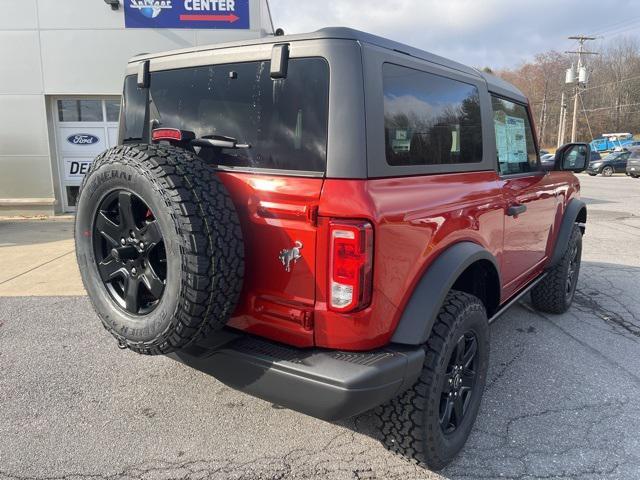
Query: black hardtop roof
x=495 y=84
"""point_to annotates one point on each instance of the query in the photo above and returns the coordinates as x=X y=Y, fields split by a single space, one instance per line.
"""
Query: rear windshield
x=285 y=121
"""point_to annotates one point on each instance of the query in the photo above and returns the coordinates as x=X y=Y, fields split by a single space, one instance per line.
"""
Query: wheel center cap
x=457 y=381
x=127 y=252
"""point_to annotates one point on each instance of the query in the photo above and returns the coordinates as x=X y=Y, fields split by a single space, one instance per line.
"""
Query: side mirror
x=573 y=157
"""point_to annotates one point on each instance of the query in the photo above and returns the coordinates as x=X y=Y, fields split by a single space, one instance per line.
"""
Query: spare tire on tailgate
x=159 y=247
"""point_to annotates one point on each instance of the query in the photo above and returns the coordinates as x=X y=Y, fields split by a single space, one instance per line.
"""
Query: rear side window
x=285 y=121
x=430 y=119
x=514 y=138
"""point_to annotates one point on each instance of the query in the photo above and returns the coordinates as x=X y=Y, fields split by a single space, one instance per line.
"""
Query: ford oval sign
x=82 y=139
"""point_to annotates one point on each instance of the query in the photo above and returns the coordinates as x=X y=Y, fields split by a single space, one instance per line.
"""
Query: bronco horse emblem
x=290 y=255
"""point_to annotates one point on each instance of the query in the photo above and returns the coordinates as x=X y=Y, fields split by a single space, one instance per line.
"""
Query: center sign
x=231 y=14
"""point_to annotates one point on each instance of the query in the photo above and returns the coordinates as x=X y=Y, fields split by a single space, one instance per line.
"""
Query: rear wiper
x=218 y=141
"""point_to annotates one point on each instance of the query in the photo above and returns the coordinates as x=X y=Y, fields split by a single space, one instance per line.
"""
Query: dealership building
x=61 y=72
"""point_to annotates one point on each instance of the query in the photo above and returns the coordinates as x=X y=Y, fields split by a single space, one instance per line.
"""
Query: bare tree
x=609 y=102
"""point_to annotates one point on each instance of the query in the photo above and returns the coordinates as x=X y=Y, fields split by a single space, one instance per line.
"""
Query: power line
x=586 y=116
x=606 y=113
x=621 y=24
x=555 y=99
x=620 y=32
x=615 y=106
x=612 y=83
x=630 y=24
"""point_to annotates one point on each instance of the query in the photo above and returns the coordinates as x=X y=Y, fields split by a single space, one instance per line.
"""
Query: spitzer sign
x=207 y=14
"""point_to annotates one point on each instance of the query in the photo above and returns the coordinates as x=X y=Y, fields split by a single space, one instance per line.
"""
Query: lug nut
x=122 y=241
x=141 y=245
x=134 y=271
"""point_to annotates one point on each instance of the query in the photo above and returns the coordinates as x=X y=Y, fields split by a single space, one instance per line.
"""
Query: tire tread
x=549 y=294
x=403 y=421
x=211 y=243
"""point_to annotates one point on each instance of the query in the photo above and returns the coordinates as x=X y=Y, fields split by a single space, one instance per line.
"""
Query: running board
x=522 y=293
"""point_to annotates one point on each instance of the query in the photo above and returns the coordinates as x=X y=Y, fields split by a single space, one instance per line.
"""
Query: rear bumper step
x=326 y=384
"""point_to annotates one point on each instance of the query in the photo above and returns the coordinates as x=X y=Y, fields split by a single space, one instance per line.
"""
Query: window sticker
x=510 y=138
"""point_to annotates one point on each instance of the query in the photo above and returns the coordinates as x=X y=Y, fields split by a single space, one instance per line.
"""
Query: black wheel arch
x=459 y=267
x=576 y=212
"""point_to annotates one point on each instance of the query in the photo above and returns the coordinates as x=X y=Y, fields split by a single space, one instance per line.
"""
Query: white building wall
x=64 y=48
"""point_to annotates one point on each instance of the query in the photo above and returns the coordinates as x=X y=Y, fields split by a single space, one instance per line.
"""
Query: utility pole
x=543 y=116
x=580 y=79
x=561 y=120
x=564 y=122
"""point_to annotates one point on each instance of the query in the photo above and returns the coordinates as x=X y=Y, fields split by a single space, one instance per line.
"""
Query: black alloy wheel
x=129 y=252
x=573 y=271
x=459 y=382
x=431 y=421
x=555 y=292
x=159 y=247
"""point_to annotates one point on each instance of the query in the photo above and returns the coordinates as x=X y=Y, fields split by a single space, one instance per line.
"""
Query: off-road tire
x=409 y=424
x=202 y=238
x=551 y=294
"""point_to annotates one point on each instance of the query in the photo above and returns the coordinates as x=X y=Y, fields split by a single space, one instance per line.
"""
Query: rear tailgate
x=273 y=164
x=276 y=212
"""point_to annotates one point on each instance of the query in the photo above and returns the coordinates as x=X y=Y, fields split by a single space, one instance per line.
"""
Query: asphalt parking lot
x=561 y=401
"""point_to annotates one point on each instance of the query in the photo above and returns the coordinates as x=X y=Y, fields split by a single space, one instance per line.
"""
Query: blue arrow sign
x=230 y=14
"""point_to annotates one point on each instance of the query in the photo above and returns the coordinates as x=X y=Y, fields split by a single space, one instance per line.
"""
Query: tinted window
x=429 y=119
x=514 y=138
x=285 y=121
x=635 y=154
x=80 y=110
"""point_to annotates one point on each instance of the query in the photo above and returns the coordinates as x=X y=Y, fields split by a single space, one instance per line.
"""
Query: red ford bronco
x=329 y=222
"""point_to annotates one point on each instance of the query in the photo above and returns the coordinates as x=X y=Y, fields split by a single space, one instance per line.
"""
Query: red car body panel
x=275 y=212
x=414 y=220
x=526 y=237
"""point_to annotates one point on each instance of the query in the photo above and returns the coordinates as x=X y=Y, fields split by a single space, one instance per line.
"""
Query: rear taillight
x=351 y=265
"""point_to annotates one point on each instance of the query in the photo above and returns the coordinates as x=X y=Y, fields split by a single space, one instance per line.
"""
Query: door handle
x=517 y=209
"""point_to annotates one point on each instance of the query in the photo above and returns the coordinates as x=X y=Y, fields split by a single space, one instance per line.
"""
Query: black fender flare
x=423 y=307
x=570 y=217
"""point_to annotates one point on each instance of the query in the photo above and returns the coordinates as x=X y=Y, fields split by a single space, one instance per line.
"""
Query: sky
x=479 y=33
